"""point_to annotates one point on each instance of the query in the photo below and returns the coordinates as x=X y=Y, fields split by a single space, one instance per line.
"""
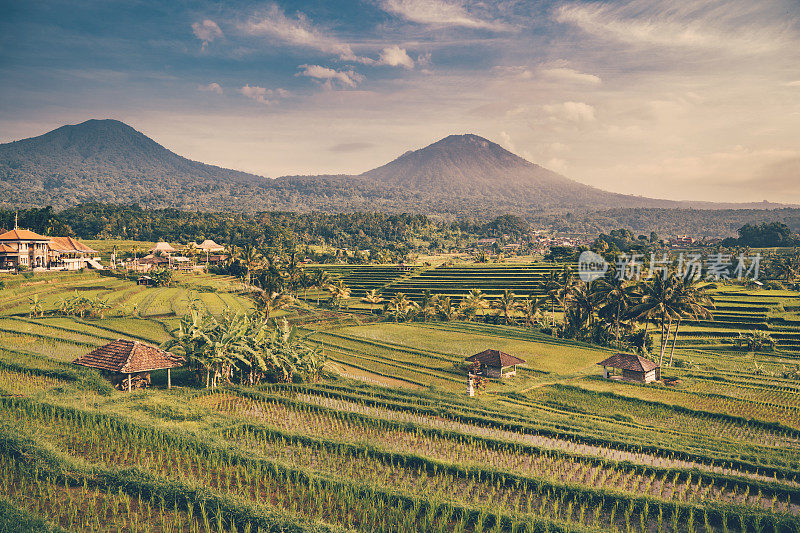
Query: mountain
x=460 y=175
x=107 y=160
x=464 y=166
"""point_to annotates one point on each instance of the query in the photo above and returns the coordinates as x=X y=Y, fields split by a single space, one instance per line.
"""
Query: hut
x=633 y=367
x=495 y=364
x=127 y=364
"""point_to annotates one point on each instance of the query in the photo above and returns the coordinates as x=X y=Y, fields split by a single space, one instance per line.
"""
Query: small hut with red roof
x=495 y=364
x=127 y=364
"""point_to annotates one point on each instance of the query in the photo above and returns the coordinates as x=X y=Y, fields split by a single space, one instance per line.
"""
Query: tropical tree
x=531 y=308
x=474 y=302
x=320 y=279
x=267 y=302
x=446 y=310
x=506 y=305
x=657 y=303
x=430 y=306
x=161 y=277
x=339 y=293
x=400 y=306
x=614 y=295
x=251 y=259
x=36 y=306
x=754 y=341
x=691 y=302
x=99 y=306
x=372 y=298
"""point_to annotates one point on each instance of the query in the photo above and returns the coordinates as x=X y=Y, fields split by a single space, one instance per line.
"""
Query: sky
x=686 y=99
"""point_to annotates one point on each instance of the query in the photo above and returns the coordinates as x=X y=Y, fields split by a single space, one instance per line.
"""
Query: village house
x=22 y=249
x=633 y=368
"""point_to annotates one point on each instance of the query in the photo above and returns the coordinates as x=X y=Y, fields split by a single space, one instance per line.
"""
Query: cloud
x=394 y=56
x=299 y=32
x=207 y=31
x=571 y=75
x=262 y=94
x=506 y=142
x=351 y=147
x=441 y=13
x=571 y=112
x=349 y=78
x=793 y=84
x=736 y=26
x=212 y=87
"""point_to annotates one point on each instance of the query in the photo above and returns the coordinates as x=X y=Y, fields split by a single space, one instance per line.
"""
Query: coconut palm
x=430 y=307
x=267 y=302
x=372 y=298
x=614 y=296
x=692 y=302
x=320 y=280
x=474 y=302
x=531 y=308
x=506 y=305
x=658 y=304
x=446 y=310
x=399 y=306
x=251 y=259
x=339 y=293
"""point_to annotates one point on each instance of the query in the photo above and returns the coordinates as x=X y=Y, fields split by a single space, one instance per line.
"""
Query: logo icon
x=591 y=266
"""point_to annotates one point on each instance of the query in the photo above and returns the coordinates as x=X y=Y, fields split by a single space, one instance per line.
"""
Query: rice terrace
x=343 y=402
x=400 y=266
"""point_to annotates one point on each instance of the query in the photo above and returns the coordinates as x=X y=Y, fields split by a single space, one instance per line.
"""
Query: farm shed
x=633 y=367
x=494 y=363
x=127 y=364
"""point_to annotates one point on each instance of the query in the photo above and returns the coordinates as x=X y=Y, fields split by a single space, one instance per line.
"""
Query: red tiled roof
x=495 y=358
x=7 y=248
x=129 y=357
x=626 y=361
x=68 y=244
x=22 y=235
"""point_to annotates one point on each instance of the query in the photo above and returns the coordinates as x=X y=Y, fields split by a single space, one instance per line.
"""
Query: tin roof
x=495 y=358
x=129 y=357
x=626 y=361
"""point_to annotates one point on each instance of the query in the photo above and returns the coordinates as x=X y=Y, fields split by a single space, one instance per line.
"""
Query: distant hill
x=460 y=175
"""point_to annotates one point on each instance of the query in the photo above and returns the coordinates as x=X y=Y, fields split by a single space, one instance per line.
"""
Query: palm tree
x=399 y=306
x=268 y=302
x=506 y=304
x=692 y=302
x=615 y=296
x=474 y=302
x=36 y=306
x=531 y=309
x=657 y=303
x=339 y=293
x=447 y=311
x=250 y=258
x=558 y=286
x=373 y=298
x=320 y=280
x=430 y=307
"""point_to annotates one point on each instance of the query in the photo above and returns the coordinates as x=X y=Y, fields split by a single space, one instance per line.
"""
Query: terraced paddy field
x=399 y=447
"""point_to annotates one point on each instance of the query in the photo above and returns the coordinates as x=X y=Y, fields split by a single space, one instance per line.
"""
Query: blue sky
x=680 y=99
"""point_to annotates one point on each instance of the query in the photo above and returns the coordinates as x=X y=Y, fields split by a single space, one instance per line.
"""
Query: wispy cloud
x=737 y=26
x=570 y=75
x=298 y=31
x=440 y=13
x=348 y=78
x=262 y=94
x=207 y=31
x=212 y=87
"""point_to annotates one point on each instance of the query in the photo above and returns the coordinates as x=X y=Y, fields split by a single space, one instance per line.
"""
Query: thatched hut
x=127 y=364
